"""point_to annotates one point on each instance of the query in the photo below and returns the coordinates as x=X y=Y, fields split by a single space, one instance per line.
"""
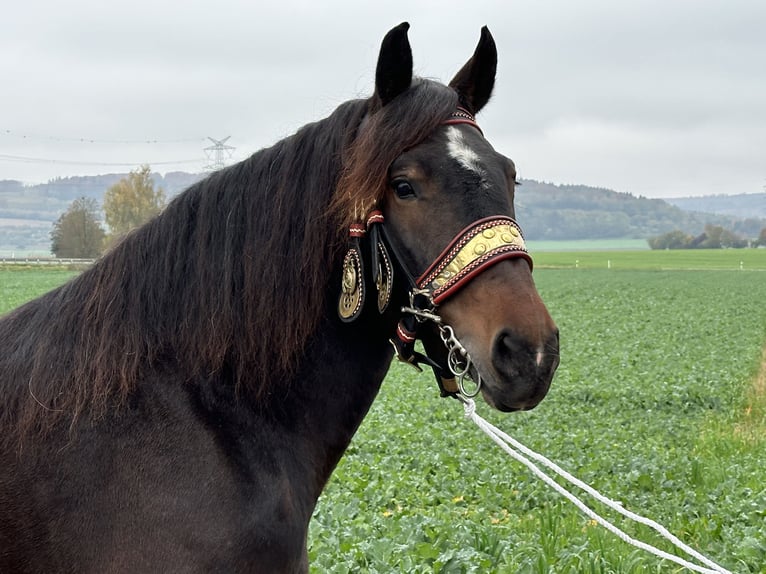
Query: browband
x=462 y=116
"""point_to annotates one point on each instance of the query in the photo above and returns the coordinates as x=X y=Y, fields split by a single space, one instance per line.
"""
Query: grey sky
x=658 y=97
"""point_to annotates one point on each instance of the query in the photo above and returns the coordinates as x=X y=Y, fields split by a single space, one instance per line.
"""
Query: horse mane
x=233 y=275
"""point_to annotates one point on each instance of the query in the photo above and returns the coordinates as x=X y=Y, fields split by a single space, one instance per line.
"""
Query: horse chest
x=125 y=507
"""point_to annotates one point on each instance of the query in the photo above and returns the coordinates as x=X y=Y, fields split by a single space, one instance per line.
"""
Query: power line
x=25 y=159
x=88 y=140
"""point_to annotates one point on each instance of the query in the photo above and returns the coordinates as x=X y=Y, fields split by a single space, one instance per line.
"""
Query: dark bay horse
x=179 y=406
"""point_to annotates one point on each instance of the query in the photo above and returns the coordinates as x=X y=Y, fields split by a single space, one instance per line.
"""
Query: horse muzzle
x=521 y=371
x=508 y=333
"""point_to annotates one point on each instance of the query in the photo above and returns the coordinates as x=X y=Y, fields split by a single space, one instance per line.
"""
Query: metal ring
x=461 y=387
x=455 y=363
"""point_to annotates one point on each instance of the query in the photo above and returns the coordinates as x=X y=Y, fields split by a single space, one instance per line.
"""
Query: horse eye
x=403 y=189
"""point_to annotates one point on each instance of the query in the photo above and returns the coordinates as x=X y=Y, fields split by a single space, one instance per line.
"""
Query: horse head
x=448 y=213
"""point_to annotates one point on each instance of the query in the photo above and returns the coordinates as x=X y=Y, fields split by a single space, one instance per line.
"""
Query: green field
x=19 y=284
x=649 y=405
x=681 y=259
x=588 y=245
x=655 y=404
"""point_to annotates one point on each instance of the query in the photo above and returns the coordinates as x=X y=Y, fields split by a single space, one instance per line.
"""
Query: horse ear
x=393 y=74
x=475 y=80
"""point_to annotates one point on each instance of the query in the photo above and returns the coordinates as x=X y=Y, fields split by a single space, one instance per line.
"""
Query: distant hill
x=741 y=205
x=46 y=201
x=549 y=211
x=546 y=211
x=28 y=212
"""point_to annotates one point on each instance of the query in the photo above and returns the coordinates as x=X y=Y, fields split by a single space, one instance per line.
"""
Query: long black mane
x=232 y=275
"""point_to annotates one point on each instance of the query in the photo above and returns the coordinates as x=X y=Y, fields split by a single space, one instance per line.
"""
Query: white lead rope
x=508 y=444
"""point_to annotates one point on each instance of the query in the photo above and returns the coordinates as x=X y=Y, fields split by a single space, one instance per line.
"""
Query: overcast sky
x=658 y=98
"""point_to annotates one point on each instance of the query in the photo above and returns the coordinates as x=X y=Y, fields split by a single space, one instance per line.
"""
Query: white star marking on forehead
x=459 y=150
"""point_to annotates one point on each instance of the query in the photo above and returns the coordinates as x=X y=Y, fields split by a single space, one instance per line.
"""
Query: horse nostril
x=524 y=367
x=506 y=351
x=512 y=354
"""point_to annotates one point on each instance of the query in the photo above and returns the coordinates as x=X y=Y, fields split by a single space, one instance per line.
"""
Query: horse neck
x=335 y=384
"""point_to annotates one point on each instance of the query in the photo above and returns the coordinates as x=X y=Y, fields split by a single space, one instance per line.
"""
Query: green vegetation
x=46 y=201
x=648 y=406
x=701 y=259
x=19 y=284
x=131 y=202
x=658 y=403
x=587 y=245
x=714 y=237
x=78 y=233
x=28 y=212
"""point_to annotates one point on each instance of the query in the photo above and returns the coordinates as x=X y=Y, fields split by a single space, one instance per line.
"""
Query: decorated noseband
x=480 y=245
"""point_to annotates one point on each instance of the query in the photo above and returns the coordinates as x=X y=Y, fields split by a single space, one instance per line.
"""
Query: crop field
x=681 y=259
x=19 y=284
x=588 y=245
x=658 y=403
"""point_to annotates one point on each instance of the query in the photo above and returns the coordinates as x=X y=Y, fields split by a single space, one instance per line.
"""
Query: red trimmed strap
x=375 y=216
x=453 y=287
x=463 y=237
x=462 y=116
x=404 y=334
x=360 y=229
x=477 y=265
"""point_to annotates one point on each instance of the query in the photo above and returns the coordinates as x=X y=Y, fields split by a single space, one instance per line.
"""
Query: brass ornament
x=385 y=277
x=351 y=300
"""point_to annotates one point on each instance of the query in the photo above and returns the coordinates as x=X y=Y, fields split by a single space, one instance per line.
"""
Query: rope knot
x=470 y=407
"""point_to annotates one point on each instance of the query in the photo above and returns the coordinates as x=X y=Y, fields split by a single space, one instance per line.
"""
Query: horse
x=180 y=405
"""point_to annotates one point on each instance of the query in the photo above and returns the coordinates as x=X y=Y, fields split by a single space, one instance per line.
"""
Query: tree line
x=546 y=211
x=129 y=203
x=713 y=237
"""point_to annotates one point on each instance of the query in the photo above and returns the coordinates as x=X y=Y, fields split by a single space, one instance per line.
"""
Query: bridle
x=472 y=251
x=476 y=248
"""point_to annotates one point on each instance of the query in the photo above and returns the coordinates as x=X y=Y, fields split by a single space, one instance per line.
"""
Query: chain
x=458 y=359
x=459 y=362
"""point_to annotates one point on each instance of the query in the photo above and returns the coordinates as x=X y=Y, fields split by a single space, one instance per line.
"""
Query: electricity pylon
x=217 y=153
